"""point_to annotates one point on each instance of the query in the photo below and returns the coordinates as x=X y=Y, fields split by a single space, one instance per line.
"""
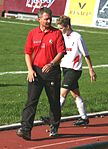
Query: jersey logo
x=72 y=43
x=68 y=49
x=50 y=41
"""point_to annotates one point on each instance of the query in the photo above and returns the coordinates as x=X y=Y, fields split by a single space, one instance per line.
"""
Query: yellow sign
x=81 y=12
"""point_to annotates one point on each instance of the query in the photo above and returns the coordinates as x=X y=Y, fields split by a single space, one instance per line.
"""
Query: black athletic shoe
x=24 y=134
x=46 y=120
x=53 y=131
x=81 y=122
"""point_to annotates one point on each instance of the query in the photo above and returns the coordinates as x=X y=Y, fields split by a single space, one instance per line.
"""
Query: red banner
x=32 y=6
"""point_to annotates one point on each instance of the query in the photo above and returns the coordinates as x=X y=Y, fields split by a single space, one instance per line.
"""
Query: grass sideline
x=13 y=87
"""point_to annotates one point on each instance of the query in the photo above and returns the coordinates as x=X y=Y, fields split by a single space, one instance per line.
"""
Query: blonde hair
x=64 y=20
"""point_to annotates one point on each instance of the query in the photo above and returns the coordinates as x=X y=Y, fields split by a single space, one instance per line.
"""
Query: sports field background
x=13 y=84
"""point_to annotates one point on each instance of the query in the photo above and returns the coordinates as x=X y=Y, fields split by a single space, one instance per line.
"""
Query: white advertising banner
x=92 y=13
x=102 y=14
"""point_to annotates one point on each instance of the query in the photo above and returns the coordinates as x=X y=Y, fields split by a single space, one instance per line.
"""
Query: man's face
x=45 y=20
x=62 y=28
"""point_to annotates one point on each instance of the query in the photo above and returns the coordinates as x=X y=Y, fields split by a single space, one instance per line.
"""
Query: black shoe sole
x=20 y=134
x=81 y=124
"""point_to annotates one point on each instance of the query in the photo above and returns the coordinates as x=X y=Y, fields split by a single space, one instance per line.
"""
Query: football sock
x=62 y=100
x=81 y=107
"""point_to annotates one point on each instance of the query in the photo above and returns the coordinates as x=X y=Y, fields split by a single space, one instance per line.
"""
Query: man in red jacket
x=43 y=51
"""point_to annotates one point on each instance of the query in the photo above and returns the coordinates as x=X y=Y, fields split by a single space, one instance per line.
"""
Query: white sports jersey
x=75 y=48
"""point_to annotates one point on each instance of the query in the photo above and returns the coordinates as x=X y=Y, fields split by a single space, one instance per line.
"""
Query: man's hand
x=92 y=75
x=31 y=75
x=47 y=68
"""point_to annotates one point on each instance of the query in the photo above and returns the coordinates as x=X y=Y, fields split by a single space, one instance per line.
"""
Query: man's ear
x=68 y=27
x=38 y=19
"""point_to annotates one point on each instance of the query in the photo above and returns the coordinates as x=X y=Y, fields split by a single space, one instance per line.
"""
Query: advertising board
x=32 y=6
x=102 y=14
x=81 y=12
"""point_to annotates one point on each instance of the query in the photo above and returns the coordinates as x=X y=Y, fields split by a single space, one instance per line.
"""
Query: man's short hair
x=64 y=20
x=44 y=10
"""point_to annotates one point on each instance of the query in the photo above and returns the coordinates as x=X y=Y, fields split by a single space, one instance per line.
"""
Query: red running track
x=69 y=136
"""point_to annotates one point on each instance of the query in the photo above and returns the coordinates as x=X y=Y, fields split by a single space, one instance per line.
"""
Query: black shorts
x=71 y=77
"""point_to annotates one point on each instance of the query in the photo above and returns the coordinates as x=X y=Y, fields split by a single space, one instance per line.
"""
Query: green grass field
x=13 y=87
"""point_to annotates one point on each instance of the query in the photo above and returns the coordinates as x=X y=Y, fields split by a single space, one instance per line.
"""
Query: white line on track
x=23 y=72
x=66 y=142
